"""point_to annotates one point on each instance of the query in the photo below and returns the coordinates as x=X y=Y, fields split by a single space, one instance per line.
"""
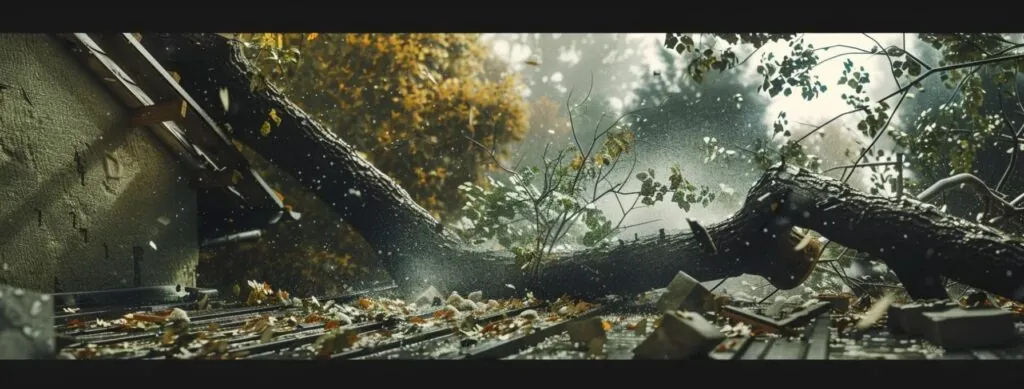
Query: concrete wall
x=79 y=192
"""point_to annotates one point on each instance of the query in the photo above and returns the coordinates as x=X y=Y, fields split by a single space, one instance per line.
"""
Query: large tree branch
x=918 y=242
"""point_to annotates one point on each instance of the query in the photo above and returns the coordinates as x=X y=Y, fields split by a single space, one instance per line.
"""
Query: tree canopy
x=440 y=112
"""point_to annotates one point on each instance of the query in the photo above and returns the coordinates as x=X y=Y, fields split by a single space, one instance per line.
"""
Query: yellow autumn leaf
x=265 y=129
x=273 y=117
x=312 y=36
x=577 y=162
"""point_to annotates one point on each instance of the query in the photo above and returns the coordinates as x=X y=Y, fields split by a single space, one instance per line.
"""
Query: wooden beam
x=167 y=111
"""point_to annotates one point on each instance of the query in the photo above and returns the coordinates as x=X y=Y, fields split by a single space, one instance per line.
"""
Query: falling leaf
x=265 y=128
x=163 y=220
x=365 y=303
x=312 y=36
x=274 y=118
x=875 y=312
x=224 y=101
x=577 y=162
x=607 y=326
x=417 y=320
x=152 y=244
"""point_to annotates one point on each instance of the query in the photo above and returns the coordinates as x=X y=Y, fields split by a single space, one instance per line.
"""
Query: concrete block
x=26 y=324
x=686 y=293
x=583 y=331
x=909 y=318
x=682 y=335
x=959 y=328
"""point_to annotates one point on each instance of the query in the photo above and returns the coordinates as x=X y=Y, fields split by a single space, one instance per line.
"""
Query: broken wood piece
x=166 y=111
x=687 y=294
x=585 y=330
x=960 y=328
x=682 y=335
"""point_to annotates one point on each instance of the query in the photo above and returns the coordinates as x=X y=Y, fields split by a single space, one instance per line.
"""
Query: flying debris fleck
x=510 y=286
x=224 y=101
x=803 y=243
x=152 y=244
x=163 y=220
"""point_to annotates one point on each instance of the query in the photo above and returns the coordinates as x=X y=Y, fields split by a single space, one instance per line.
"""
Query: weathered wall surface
x=81 y=195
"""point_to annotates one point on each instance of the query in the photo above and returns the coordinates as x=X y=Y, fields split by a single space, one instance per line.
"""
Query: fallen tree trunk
x=920 y=245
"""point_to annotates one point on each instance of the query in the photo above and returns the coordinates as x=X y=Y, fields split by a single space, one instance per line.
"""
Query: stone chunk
x=428 y=296
x=682 y=335
x=583 y=331
x=686 y=293
x=959 y=328
x=909 y=319
x=26 y=324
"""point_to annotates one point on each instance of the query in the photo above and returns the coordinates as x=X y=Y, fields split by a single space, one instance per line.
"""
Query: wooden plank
x=200 y=129
x=786 y=349
x=818 y=339
x=757 y=349
x=124 y=88
x=156 y=79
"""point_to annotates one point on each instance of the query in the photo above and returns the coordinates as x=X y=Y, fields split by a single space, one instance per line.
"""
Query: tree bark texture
x=917 y=241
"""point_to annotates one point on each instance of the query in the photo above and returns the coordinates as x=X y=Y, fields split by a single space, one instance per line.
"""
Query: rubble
x=682 y=335
x=26 y=324
x=686 y=293
x=428 y=297
x=959 y=328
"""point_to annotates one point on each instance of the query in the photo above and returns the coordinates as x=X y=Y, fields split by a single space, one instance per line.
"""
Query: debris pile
x=685 y=321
